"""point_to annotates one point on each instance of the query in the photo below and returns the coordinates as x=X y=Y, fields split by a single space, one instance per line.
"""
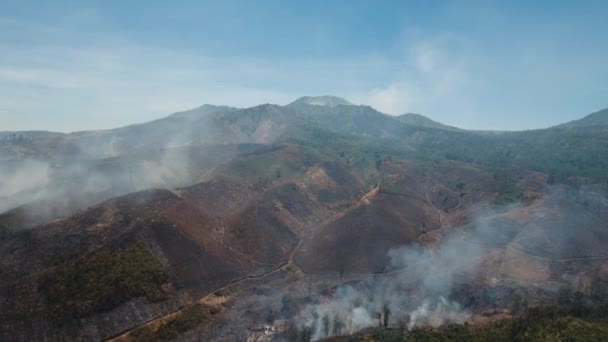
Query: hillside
x=422 y=121
x=294 y=219
x=599 y=118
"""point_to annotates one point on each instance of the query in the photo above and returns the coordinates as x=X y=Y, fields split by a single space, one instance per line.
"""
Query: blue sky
x=75 y=65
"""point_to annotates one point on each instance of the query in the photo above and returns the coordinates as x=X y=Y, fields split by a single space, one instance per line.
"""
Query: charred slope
x=42 y=191
x=200 y=248
x=358 y=241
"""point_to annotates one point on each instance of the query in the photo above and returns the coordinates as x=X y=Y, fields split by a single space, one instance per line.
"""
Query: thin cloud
x=428 y=74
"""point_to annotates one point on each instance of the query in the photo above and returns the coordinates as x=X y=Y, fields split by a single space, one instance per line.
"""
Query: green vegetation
x=539 y=324
x=291 y=268
x=104 y=280
x=505 y=184
x=265 y=168
x=358 y=154
x=186 y=320
x=567 y=154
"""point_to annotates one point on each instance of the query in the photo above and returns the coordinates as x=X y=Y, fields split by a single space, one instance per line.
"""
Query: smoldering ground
x=416 y=294
x=44 y=189
x=80 y=169
x=427 y=285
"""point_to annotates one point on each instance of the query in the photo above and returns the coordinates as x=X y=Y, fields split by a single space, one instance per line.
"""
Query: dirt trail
x=538 y=257
x=430 y=238
x=123 y=336
x=365 y=200
x=428 y=201
x=583 y=258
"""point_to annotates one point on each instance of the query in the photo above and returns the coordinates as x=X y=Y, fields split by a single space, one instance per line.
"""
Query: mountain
x=326 y=100
x=295 y=220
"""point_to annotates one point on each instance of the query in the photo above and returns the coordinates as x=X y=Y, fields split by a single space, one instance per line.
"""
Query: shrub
x=103 y=281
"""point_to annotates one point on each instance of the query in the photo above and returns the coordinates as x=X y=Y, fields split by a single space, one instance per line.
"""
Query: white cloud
x=428 y=74
x=395 y=99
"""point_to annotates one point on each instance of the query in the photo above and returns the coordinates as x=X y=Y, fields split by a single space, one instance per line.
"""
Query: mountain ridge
x=308 y=104
x=599 y=118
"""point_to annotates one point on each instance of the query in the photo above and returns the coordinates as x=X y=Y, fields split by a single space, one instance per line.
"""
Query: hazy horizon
x=284 y=104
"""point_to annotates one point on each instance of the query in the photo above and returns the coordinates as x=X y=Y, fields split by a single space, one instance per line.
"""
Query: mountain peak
x=325 y=100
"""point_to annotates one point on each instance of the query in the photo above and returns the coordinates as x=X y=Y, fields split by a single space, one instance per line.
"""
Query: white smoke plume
x=442 y=312
x=24 y=183
x=424 y=282
x=415 y=295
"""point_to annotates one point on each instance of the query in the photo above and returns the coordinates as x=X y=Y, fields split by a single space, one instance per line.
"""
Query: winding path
x=123 y=334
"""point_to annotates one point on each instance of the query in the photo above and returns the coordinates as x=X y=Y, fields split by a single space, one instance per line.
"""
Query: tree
x=292 y=332
x=564 y=296
x=286 y=306
x=378 y=164
x=386 y=311
x=516 y=306
x=337 y=325
x=578 y=304
x=270 y=316
x=306 y=333
x=325 y=321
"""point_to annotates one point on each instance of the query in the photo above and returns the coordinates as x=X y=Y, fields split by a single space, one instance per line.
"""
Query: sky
x=511 y=65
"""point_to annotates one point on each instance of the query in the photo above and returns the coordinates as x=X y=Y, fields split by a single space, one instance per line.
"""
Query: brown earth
x=310 y=227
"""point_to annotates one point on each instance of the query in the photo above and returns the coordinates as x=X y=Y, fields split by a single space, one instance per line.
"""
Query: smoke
x=47 y=189
x=566 y=222
x=33 y=174
x=442 y=312
x=23 y=183
x=57 y=188
x=424 y=285
x=55 y=174
x=416 y=294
